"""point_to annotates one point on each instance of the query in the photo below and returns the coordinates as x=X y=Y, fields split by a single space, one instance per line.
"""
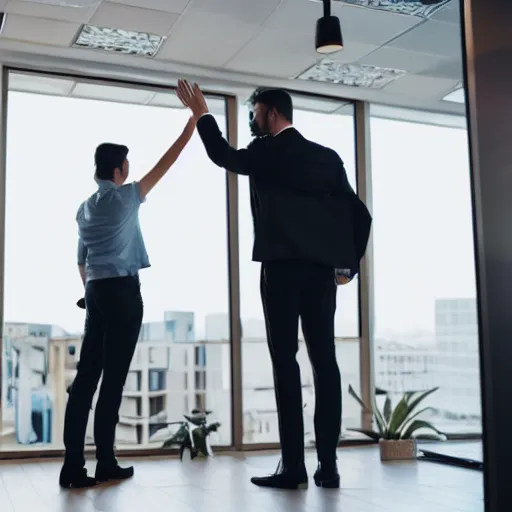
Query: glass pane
x=335 y=129
x=180 y=361
x=426 y=323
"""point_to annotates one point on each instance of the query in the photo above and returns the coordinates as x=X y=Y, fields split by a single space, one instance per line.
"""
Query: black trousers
x=291 y=290
x=113 y=320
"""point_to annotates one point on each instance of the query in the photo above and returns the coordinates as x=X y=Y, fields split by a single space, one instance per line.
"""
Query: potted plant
x=192 y=434
x=397 y=427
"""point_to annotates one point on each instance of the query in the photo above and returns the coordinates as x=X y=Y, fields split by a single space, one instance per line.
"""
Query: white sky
x=422 y=213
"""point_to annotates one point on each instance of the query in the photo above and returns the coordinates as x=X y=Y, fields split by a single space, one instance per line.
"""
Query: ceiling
x=233 y=45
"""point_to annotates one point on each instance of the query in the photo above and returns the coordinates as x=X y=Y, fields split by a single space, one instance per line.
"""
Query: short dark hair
x=274 y=99
x=107 y=158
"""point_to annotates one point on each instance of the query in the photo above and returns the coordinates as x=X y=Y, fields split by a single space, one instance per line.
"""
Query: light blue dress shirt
x=110 y=239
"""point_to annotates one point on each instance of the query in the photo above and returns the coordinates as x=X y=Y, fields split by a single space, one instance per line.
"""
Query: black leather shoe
x=104 y=474
x=75 y=479
x=284 y=479
x=327 y=476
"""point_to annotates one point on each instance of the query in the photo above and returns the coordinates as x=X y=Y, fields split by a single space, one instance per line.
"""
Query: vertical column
x=366 y=287
x=60 y=391
x=143 y=350
x=52 y=369
x=234 y=285
x=3 y=138
x=487 y=49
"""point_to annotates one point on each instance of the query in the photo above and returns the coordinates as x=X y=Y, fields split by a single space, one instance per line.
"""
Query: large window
x=331 y=124
x=426 y=332
x=426 y=323
x=182 y=359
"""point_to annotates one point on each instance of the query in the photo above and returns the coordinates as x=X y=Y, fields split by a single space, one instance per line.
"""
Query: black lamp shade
x=328 y=35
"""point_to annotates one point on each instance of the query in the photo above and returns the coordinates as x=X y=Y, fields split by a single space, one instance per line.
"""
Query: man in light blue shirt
x=111 y=252
x=110 y=239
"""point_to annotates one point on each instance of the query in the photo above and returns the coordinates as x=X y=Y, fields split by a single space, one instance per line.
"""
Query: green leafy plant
x=192 y=434
x=401 y=422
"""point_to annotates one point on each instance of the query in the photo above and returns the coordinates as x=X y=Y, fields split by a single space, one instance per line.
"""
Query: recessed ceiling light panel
x=421 y=8
x=68 y=3
x=117 y=40
x=354 y=75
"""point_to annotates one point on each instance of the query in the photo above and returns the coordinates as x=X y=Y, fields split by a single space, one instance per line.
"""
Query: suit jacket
x=302 y=203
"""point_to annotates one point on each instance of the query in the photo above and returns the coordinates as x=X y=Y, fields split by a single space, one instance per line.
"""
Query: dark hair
x=274 y=99
x=107 y=158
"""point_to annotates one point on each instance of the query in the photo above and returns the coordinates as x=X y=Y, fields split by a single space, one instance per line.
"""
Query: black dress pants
x=291 y=290
x=113 y=320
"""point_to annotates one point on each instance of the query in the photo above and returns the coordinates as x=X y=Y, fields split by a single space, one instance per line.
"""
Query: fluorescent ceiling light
x=421 y=8
x=117 y=40
x=68 y=3
x=457 y=96
x=354 y=75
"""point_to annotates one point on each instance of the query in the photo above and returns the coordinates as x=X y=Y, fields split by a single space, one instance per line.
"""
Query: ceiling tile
x=432 y=37
x=371 y=26
x=357 y=24
x=299 y=16
x=248 y=11
x=206 y=39
x=352 y=51
x=412 y=62
x=447 y=68
x=421 y=86
x=273 y=67
x=38 y=10
x=40 y=31
x=450 y=13
x=134 y=18
x=275 y=53
x=176 y=6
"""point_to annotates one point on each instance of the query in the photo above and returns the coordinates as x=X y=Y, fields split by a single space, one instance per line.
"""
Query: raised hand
x=342 y=276
x=342 y=280
x=192 y=98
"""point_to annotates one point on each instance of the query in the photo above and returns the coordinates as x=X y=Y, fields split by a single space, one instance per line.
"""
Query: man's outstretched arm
x=239 y=161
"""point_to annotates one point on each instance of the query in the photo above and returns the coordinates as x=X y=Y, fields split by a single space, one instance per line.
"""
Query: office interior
x=415 y=103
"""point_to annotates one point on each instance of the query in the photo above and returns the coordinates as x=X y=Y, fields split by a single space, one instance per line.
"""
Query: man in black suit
x=307 y=222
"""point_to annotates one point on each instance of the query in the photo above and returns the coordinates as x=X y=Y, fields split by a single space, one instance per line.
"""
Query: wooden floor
x=222 y=484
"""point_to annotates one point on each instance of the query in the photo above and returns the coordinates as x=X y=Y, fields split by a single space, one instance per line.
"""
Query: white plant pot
x=406 y=449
